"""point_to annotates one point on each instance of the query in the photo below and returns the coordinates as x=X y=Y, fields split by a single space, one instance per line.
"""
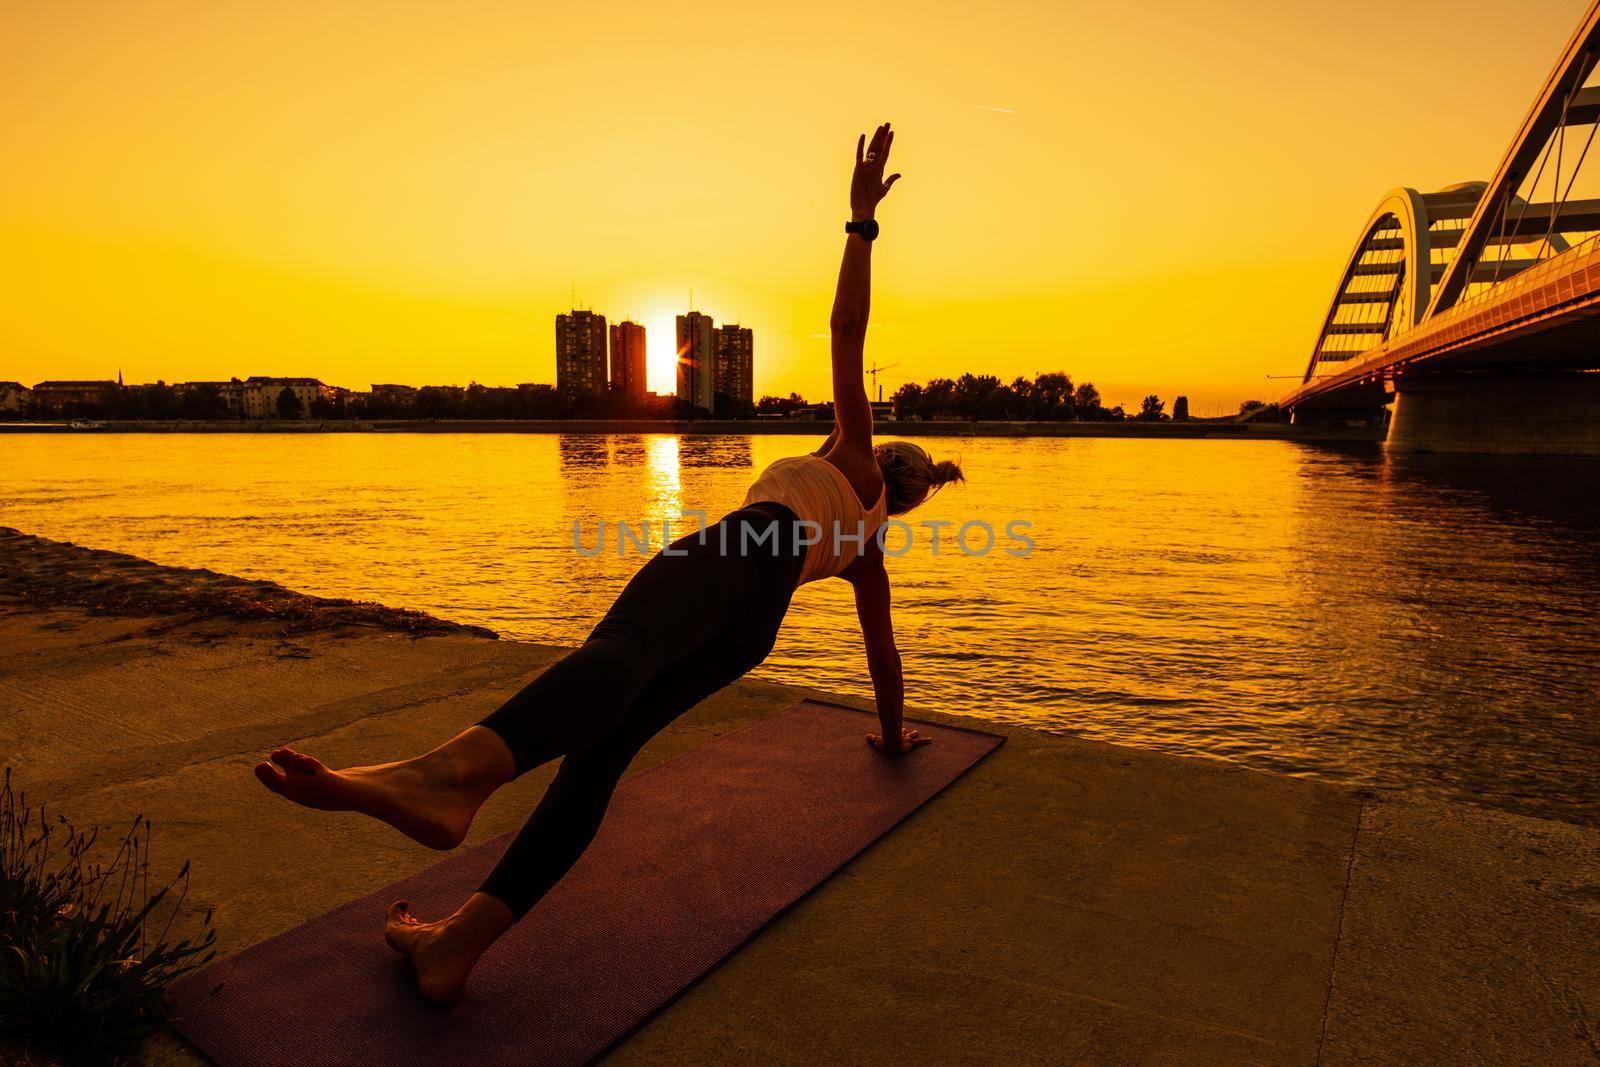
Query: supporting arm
x=871 y=583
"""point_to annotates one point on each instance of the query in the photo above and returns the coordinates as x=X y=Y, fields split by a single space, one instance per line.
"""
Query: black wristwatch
x=867 y=228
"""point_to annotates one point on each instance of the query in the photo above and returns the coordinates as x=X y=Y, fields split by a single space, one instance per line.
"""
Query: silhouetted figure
x=688 y=623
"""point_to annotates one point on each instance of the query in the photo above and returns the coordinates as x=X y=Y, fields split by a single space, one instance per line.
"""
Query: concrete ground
x=1066 y=901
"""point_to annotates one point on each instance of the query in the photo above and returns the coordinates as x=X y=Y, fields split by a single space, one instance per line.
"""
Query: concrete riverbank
x=1195 y=429
x=1066 y=901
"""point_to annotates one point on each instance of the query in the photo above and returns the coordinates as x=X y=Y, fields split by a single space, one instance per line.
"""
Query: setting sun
x=661 y=349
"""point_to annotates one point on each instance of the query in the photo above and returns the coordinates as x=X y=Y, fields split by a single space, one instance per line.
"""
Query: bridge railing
x=1561 y=284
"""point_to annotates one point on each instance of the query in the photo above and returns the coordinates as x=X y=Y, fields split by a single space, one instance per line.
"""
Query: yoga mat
x=694 y=858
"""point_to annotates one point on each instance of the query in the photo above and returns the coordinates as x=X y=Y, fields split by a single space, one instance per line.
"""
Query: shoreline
x=1189 y=430
x=46 y=574
x=1073 y=899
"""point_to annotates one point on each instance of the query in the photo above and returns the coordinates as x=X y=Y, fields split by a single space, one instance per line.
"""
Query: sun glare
x=661 y=351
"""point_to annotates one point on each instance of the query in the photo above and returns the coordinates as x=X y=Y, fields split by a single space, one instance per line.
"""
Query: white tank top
x=818 y=492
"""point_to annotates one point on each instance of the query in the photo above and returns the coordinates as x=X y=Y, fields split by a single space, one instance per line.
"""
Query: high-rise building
x=628 y=360
x=736 y=362
x=697 y=360
x=581 y=352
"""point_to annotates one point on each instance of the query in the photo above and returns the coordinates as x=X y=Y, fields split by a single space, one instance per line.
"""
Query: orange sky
x=400 y=191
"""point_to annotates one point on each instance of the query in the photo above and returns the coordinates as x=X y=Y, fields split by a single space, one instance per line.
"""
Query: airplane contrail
x=1001 y=110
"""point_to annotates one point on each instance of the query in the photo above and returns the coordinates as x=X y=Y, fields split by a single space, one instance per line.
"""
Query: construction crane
x=873 y=370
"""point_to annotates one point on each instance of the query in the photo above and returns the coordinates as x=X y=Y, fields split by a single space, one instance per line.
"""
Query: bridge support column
x=1513 y=414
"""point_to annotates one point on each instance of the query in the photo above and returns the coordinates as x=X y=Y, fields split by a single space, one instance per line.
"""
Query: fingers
x=890 y=183
x=861 y=143
x=875 y=147
x=888 y=142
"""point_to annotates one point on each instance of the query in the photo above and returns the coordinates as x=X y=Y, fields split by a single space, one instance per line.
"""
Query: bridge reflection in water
x=1476 y=309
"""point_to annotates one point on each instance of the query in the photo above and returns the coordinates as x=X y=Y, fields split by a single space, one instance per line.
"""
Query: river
x=1406 y=622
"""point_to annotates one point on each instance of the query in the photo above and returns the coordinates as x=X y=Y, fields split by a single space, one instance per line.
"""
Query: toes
x=270 y=776
x=394 y=926
x=290 y=760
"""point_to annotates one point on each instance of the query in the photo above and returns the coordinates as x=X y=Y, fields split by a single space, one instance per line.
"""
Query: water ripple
x=1418 y=623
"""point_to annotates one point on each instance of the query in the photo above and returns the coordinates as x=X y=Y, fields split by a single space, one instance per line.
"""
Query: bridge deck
x=1547 y=317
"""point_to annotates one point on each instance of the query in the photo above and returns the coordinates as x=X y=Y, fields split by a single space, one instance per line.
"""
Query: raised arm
x=853 y=298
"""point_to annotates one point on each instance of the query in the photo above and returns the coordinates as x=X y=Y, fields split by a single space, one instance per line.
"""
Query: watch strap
x=866 y=228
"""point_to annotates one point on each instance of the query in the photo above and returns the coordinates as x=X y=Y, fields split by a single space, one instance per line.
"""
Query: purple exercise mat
x=695 y=857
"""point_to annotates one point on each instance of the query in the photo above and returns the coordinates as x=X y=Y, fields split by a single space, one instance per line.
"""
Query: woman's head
x=910 y=475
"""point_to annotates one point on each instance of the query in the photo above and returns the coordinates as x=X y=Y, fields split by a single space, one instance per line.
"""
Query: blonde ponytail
x=910 y=475
x=946 y=471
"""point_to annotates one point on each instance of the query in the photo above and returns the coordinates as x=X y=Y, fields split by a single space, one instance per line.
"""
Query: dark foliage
x=85 y=951
x=1048 y=397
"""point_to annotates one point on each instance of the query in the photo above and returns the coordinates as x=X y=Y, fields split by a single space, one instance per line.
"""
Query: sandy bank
x=52 y=574
x=1067 y=901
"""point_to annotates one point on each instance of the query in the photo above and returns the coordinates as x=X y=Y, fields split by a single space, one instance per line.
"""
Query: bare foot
x=442 y=953
x=427 y=799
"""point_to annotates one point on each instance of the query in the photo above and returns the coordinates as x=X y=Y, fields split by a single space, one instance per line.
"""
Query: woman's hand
x=909 y=739
x=867 y=185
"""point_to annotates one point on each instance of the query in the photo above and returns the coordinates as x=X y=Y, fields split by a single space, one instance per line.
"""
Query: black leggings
x=685 y=626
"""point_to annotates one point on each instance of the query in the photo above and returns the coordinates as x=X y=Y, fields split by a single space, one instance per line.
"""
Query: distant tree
x=491 y=402
x=289 y=406
x=780 y=405
x=581 y=404
x=938 y=399
x=1180 y=409
x=908 y=401
x=201 y=403
x=1001 y=402
x=440 y=401
x=1052 y=396
x=971 y=390
x=1260 y=411
x=157 y=401
x=1086 y=402
x=731 y=407
x=539 y=401
x=1023 y=388
x=686 y=410
x=1151 y=409
x=323 y=408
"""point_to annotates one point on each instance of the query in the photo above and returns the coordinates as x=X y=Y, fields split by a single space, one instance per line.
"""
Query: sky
x=1155 y=198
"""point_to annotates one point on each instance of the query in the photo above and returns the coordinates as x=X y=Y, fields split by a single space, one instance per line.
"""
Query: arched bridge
x=1480 y=298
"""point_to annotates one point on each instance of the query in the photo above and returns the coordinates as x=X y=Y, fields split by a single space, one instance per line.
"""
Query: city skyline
x=367 y=203
x=707 y=361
